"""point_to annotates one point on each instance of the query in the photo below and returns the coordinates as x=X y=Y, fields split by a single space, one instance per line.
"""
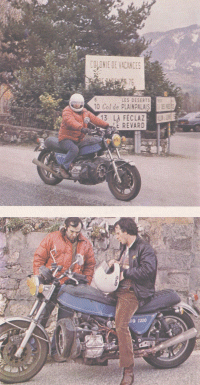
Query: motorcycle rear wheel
x=130 y=186
x=13 y=369
x=46 y=176
x=176 y=354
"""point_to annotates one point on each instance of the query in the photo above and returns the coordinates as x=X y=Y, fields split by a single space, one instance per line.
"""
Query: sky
x=170 y=14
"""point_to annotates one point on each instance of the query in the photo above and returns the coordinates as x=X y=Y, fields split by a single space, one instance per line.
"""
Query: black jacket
x=142 y=268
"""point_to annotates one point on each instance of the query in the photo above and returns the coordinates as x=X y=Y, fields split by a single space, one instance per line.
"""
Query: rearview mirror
x=87 y=120
x=79 y=259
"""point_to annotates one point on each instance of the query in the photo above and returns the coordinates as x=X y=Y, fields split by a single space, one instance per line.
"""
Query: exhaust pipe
x=42 y=165
x=187 y=335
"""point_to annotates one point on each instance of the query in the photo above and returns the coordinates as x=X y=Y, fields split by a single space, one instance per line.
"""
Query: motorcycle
x=162 y=330
x=90 y=166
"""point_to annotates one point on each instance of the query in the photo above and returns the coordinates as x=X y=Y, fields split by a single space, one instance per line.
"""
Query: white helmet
x=76 y=102
x=107 y=279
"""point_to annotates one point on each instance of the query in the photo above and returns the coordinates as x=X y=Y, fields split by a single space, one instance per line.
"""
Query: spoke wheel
x=176 y=354
x=130 y=182
x=14 y=369
x=47 y=159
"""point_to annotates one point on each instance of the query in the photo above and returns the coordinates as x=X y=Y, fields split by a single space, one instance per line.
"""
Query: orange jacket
x=63 y=255
x=72 y=122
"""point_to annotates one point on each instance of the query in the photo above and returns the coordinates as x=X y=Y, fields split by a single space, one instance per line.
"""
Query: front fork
x=34 y=322
x=114 y=165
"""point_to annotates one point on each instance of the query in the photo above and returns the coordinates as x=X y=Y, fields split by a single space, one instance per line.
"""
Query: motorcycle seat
x=161 y=300
x=52 y=143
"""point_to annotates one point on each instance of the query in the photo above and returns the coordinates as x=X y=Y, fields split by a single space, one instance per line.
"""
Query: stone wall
x=18 y=135
x=176 y=242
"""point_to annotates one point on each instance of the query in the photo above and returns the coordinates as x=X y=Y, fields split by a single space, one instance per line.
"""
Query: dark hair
x=127 y=225
x=73 y=221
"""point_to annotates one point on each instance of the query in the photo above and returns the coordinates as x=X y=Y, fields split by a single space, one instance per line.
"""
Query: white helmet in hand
x=76 y=102
x=107 y=279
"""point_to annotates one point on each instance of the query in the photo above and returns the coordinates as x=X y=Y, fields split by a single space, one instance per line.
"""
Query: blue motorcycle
x=162 y=330
x=91 y=166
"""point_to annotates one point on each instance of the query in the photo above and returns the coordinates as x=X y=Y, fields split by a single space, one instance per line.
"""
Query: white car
x=190 y=121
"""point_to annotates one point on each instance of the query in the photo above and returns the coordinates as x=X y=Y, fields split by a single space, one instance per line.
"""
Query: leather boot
x=128 y=376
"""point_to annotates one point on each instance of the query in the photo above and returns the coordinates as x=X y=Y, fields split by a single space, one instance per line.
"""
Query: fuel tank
x=87 y=299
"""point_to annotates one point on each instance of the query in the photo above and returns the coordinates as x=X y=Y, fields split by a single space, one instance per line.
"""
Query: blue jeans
x=72 y=151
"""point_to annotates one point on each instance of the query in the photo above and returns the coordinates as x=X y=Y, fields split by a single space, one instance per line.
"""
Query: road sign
x=126 y=69
x=125 y=121
x=165 y=104
x=120 y=103
x=165 y=117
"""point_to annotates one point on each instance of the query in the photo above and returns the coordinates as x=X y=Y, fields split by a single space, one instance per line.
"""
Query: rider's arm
x=97 y=121
x=41 y=255
x=89 y=263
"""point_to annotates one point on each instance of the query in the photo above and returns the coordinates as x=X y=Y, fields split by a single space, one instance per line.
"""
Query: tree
x=63 y=24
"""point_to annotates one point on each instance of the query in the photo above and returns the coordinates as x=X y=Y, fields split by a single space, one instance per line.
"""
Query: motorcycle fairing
x=141 y=323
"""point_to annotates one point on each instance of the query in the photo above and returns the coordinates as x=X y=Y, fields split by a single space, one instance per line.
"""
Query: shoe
x=128 y=376
x=58 y=358
x=64 y=173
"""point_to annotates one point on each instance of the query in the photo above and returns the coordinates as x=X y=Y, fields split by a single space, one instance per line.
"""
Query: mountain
x=178 y=51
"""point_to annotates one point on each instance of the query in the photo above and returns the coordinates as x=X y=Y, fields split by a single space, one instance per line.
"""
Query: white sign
x=165 y=117
x=125 y=121
x=121 y=103
x=165 y=103
x=128 y=70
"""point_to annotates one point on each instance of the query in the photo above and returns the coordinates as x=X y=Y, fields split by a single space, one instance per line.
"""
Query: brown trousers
x=127 y=304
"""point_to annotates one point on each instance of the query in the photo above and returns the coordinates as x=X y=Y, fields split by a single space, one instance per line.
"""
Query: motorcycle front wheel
x=47 y=177
x=176 y=354
x=130 y=184
x=33 y=358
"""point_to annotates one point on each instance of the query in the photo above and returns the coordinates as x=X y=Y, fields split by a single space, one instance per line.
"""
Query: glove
x=46 y=273
x=85 y=130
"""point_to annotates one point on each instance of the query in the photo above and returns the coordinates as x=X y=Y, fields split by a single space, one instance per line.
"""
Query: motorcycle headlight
x=35 y=285
x=116 y=140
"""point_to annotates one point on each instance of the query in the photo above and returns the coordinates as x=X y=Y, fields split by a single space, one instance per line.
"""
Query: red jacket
x=63 y=254
x=72 y=122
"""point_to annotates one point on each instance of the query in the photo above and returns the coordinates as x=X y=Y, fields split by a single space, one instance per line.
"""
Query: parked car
x=190 y=121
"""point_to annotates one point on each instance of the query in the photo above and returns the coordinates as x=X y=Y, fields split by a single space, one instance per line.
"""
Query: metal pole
x=169 y=135
x=158 y=139
x=137 y=142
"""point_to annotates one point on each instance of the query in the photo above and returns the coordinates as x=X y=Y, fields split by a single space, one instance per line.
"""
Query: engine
x=91 y=171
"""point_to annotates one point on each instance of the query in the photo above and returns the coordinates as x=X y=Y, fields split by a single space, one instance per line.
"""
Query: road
x=77 y=374
x=166 y=180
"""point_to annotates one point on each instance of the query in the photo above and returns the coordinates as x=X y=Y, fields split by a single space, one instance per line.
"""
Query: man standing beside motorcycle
x=138 y=267
x=73 y=129
x=61 y=247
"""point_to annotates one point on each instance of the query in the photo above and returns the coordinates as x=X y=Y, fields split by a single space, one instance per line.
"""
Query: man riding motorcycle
x=73 y=130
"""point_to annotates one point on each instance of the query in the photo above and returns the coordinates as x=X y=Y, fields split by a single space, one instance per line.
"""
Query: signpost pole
x=158 y=139
x=169 y=135
x=137 y=142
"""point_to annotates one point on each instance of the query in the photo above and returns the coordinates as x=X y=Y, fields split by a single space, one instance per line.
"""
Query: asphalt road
x=77 y=374
x=166 y=180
